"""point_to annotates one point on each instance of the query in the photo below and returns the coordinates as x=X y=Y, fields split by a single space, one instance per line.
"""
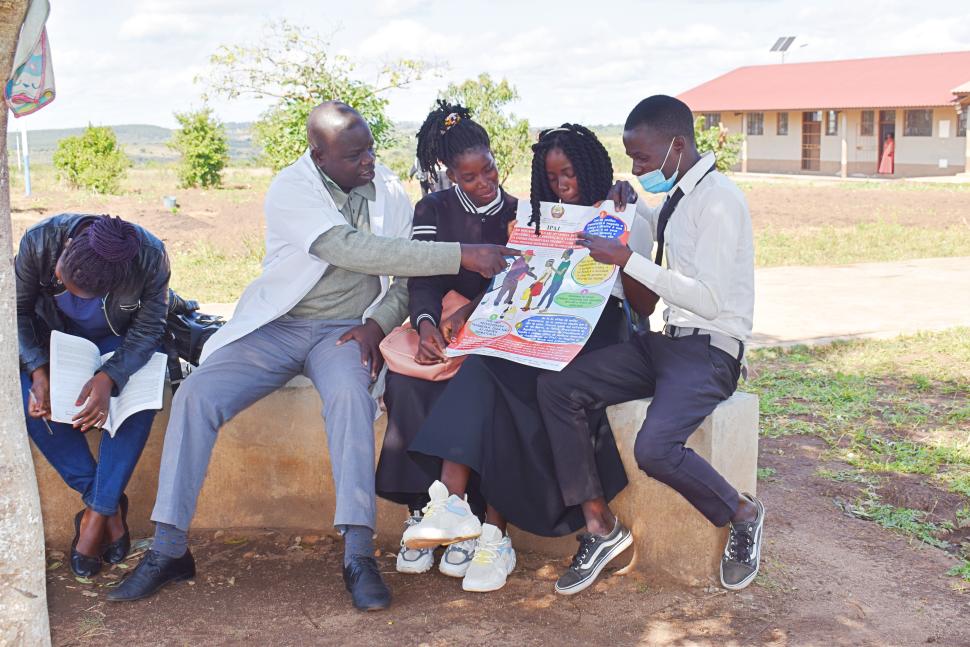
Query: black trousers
x=687 y=379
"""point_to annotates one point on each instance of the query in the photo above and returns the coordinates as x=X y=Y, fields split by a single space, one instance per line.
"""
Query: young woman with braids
x=474 y=210
x=486 y=426
x=106 y=280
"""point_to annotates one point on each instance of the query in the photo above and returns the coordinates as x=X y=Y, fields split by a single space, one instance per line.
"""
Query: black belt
x=730 y=345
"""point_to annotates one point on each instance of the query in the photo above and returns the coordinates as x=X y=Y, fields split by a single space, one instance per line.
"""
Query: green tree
x=487 y=100
x=92 y=160
x=293 y=66
x=202 y=141
x=716 y=139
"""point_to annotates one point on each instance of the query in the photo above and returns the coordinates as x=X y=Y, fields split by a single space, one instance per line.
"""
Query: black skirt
x=488 y=418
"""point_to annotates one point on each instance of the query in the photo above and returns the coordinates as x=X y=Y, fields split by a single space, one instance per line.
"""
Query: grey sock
x=358 y=540
x=169 y=540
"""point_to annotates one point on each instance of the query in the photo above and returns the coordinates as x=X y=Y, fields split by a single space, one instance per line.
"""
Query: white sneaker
x=457 y=558
x=494 y=560
x=447 y=520
x=414 y=560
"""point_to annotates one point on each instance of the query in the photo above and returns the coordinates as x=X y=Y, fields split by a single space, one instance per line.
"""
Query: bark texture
x=23 y=598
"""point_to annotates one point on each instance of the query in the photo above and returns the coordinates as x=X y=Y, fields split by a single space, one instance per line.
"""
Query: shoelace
x=432 y=507
x=586 y=542
x=741 y=544
x=486 y=552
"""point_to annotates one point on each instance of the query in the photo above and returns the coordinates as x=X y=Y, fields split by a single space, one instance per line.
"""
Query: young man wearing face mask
x=704 y=233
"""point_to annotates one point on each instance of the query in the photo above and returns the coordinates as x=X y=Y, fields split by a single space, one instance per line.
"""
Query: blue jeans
x=102 y=482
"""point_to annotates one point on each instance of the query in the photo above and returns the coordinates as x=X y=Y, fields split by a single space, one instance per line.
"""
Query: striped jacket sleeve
x=426 y=292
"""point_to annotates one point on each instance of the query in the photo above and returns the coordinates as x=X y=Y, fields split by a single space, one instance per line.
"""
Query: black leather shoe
x=116 y=551
x=82 y=565
x=367 y=588
x=152 y=573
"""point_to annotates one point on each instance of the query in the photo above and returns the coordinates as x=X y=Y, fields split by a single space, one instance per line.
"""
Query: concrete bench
x=271 y=469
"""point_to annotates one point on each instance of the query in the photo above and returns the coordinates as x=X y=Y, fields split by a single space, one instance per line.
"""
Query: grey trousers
x=250 y=368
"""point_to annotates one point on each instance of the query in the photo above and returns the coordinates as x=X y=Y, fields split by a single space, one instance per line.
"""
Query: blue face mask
x=654 y=181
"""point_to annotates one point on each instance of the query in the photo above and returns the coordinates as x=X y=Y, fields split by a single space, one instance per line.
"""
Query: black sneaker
x=595 y=552
x=742 y=555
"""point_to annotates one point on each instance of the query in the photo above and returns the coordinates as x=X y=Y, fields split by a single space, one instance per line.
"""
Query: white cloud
x=133 y=60
x=158 y=25
x=393 y=8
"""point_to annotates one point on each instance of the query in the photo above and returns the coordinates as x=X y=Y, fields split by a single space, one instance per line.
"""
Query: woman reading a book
x=104 y=280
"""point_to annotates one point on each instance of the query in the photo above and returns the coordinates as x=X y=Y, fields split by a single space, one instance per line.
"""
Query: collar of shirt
x=340 y=197
x=489 y=209
x=694 y=174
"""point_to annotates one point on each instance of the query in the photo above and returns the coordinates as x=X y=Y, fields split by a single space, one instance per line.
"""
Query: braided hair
x=447 y=132
x=594 y=170
x=99 y=258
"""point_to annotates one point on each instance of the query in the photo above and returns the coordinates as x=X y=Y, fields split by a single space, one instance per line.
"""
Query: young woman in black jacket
x=106 y=280
x=474 y=210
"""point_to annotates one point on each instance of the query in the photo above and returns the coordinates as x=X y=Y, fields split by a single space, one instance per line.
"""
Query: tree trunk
x=23 y=598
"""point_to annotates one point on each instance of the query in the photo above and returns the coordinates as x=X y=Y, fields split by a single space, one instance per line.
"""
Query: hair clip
x=450 y=122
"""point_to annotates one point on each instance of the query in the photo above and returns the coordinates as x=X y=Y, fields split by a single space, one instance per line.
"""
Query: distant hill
x=146 y=144
x=142 y=142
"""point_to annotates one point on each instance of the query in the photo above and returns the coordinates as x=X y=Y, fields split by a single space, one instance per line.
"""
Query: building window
x=962 y=122
x=919 y=123
x=711 y=119
x=831 y=122
x=782 y=123
x=756 y=123
x=868 y=127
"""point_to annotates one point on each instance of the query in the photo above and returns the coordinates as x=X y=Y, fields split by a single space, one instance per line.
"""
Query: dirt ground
x=827 y=579
x=229 y=218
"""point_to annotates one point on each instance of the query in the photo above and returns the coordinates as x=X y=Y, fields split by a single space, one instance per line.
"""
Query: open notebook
x=75 y=359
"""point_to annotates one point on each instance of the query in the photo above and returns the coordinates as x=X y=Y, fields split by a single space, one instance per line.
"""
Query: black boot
x=363 y=580
x=152 y=573
x=82 y=565
x=116 y=551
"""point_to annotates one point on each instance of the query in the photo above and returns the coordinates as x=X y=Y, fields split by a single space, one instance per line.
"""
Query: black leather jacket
x=137 y=309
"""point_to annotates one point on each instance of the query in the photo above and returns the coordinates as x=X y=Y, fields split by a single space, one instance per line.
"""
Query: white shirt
x=709 y=250
x=641 y=241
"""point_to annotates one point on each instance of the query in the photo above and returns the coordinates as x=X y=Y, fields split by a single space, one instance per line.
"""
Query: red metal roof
x=891 y=82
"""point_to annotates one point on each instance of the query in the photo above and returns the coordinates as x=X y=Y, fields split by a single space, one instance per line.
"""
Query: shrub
x=92 y=160
x=204 y=146
x=726 y=147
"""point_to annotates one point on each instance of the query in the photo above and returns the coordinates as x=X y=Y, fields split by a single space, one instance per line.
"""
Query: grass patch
x=210 y=275
x=904 y=521
x=864 y=242
x=883 y=407
x=766 y=473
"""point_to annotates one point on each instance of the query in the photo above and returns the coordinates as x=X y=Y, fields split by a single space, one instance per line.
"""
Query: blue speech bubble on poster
x=554 y=329
x=606 y=227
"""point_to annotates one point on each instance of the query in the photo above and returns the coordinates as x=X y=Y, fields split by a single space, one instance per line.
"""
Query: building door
x=811 y=140
x=886 y=160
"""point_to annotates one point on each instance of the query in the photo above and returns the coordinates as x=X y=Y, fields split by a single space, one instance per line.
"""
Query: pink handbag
x=401 y=345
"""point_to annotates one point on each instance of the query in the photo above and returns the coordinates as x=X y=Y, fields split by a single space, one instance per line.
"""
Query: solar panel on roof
x=774 y=48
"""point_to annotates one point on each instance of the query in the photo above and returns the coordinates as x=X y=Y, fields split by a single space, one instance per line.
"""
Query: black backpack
x=185 y=335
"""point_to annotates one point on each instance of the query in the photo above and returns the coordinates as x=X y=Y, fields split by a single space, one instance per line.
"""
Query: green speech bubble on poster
x=579 y=300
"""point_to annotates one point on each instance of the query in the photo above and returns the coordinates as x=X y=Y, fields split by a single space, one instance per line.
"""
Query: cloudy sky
x=134 y=61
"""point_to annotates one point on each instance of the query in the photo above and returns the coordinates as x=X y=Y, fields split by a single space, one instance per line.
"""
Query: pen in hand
x=33 y=400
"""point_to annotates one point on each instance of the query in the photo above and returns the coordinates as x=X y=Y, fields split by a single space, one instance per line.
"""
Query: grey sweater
x=358 y=258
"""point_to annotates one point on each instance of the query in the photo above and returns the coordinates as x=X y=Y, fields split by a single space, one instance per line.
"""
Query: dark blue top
x=86 y=318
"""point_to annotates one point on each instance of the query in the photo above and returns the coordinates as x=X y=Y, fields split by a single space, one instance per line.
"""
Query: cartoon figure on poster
x=536 y=288
x=520 y=269
x=557 y=280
